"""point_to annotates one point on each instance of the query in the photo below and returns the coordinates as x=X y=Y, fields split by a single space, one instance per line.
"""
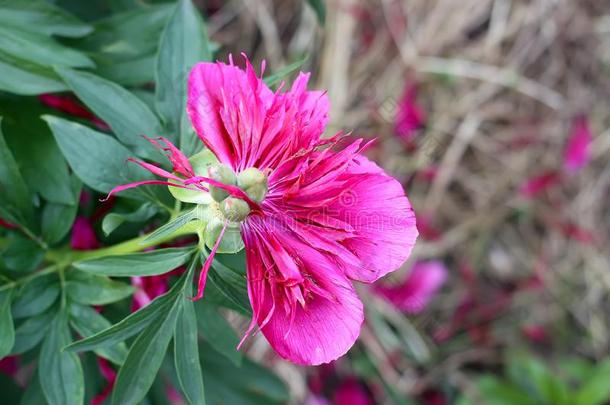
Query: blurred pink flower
x=415 y=292
x=68 y=105
x=410 y=117
x=7 y=225
x=9 y=365
x=329 y=216
x=539 y=183
x=578 y=149
x=535 y=333
x=110 y=376
x=147 y=289
x=83 y=235
x=352 y=392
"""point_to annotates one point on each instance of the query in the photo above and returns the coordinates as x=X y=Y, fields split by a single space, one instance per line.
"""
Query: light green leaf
x=113 y=220
x=57 y=220
x=595 y=390
x=172 y=226
x=36 y=296
x=7 y=329
x=145 y=357
x=282 y=73
x=186 y=349
x=27 y=79
x=184 y=42
x=60 y=372
x=200 y=163
x=230 y=282
x=97 y=159
x=151 y=263
x=92 y=289
x=128 y=116
x=39 y=49
x=87 y=322
x=320 y=10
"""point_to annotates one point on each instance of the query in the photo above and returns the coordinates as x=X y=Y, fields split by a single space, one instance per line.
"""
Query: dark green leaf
x=184 y=43
x=31 y=332
x=129 y=326
x=15 y=199
x=11 y=391
x=230 y=282
x=137 y=264
x=41 y=16
x=27 y=79
x=87 y=322
x=22 y=254
x=128 y=116
x=92 y=289
x=282 y=73
x=114 y=220
x=97 y=159
x=7 y=329
x=186 y=350
x=57 y=220
x=33 y=394
x=60 y=372
x=36 y=296
x=319 y=8
x=245 y=385
x=39 y=49
x=217 y=331
x=145 y=357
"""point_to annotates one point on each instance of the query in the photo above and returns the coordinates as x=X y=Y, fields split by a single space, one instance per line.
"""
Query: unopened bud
x=254 y=183
x=234 y=209
x=222 y=174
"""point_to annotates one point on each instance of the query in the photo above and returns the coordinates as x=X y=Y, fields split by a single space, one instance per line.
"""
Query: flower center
x=252 y=181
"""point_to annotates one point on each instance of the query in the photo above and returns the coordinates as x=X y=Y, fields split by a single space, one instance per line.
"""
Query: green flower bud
x=254 y=183
x=223 y=174
x=234 y=209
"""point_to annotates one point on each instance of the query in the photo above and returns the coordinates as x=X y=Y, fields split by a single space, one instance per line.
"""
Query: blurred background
x=494 y=116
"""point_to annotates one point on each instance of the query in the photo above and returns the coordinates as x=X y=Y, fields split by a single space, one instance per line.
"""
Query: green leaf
x=247 y=385
x=145 y=357
x=60 y=372
x=172 y=226
x=92 y=289
x=42 y=17
x=27 y=79
x=57 y=220
x=113 y=220
x=31 y=332
x=7 y=329
x=230 y=282
x=97 y=159
x=319 y=8
x=282 y=73
x=22 y=254
x=217 y=331
x=36 y=296
x=595 y=390
x=33 y=394
x=151 y=263
x=44 y=169
x=11 y=391
x=15 y=198
x=184 y=42
x=87 y=322
x=128 y=116
x=535 y=378
x=186 y=349
x=129 y=326
x=40 y=49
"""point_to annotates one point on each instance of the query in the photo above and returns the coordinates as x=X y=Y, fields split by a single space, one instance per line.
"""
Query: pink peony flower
x=83 y=236
x=410 y=117
x=539 y=183
x=578 y=149
x=351 y=392
x=312 y=218
x=420 y=286
x=70 y=106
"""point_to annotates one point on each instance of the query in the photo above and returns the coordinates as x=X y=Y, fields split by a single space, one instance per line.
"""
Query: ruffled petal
x=315 y=328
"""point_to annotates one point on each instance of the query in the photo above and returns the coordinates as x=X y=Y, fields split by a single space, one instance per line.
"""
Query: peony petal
x=578 y=149
x=324 y=328
x=83 y=236
x=420 y=286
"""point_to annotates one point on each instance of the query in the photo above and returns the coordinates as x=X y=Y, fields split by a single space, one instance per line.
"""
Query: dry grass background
x=500 y=81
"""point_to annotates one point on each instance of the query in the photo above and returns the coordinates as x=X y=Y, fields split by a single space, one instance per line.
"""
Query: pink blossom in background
x=7 y=225
x=68 y=105
x=535 y=333
x=421 y=285
x=352 y=392
x=330 y=215
x=83 y=236
x=147 y=289
x=9 y=365
x=410 y=117
x=578 y=149
x=539 y=183
x=110 y=376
